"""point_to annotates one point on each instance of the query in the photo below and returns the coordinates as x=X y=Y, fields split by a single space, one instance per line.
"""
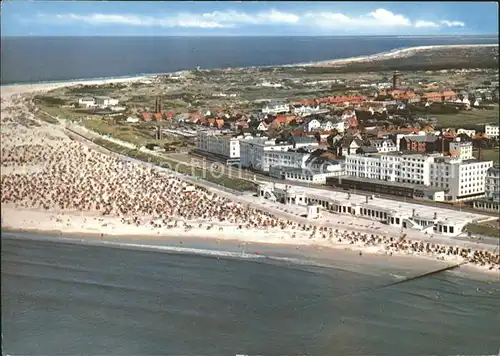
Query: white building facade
x=491 y=130
x=460 y=149
x=213 y=141
x=86 y=102
x=461 y=179
x=383 y=146
x=465 y=180
x=470 y=133
x=104 y=101
x=276 y=108
x=261 y=155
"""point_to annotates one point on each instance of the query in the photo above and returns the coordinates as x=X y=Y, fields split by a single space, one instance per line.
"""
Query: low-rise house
x=157 y=116
x=439 y=97
x=312 y=125
x=281 y=120
x=326 y=125
x=470 y=133
x=105 y=101
x=364 y=150
x=262 y=126
x=302 y=141
x=132 y=119
x=145 y=116
x=383 y=145
x=276 y=108
x=304 y=109
x=418 y=143
x=349 y=144
x=86 y=102
x=349 y=116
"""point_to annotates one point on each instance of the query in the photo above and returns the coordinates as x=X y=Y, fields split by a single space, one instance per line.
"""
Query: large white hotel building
x=461 y=179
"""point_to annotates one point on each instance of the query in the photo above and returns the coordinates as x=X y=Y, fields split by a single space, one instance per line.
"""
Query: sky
x=246 y=18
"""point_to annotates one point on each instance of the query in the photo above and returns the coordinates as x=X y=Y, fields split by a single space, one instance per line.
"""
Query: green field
x=483 y=229
x=490 y=154
x=467 y=117
x=138 y=134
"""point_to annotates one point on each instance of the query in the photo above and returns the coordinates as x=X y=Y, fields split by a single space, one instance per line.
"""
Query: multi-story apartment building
x=261 y=154
x=492 y=188
x=410 y=168
x=213 y=141
x=461 y=149
x=491 y=130
x=462 y=179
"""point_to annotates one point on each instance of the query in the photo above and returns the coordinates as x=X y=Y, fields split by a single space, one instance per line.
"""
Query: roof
x=347 y=140
x=494 y=169
x=367 y=149
x=427 y=138
x=302 y=139
x=306 y=171
x=395 y=184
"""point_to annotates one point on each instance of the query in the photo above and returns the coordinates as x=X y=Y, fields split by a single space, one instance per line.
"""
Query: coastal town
x=390 y=162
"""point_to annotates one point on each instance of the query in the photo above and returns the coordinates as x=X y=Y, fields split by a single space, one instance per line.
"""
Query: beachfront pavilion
x=427 y=219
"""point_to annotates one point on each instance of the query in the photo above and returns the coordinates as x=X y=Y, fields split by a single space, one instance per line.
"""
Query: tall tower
x=158 y=105
x=396 y=80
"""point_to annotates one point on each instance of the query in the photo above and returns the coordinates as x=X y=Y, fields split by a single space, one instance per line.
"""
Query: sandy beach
x=398 y=53
x=10 y=90
x=53 y=183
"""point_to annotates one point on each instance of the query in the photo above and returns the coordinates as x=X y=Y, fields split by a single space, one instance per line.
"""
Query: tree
x=317 y=136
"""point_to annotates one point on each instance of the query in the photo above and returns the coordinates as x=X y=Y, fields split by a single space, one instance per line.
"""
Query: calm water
x=62 y=299
x=34 y=59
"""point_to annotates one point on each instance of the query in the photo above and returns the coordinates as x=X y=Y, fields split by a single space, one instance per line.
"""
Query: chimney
x=413 y=213
x=367 y=199
x=435 y=215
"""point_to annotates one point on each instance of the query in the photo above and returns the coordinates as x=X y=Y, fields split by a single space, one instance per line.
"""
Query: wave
x=164 y=248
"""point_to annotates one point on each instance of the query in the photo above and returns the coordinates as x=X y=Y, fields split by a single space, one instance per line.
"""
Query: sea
x=46 y=59
x=64 y=295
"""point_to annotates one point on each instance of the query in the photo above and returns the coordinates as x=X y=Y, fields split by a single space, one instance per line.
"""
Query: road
x=252 y=176
x=342 y=222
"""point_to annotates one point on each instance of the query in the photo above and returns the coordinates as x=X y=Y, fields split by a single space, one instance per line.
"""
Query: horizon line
x=240 y=35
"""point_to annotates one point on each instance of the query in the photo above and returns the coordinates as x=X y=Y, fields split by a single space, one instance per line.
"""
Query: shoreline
x=302 y=254
x=82 y=227
x=75 y=222
x=393 y=53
